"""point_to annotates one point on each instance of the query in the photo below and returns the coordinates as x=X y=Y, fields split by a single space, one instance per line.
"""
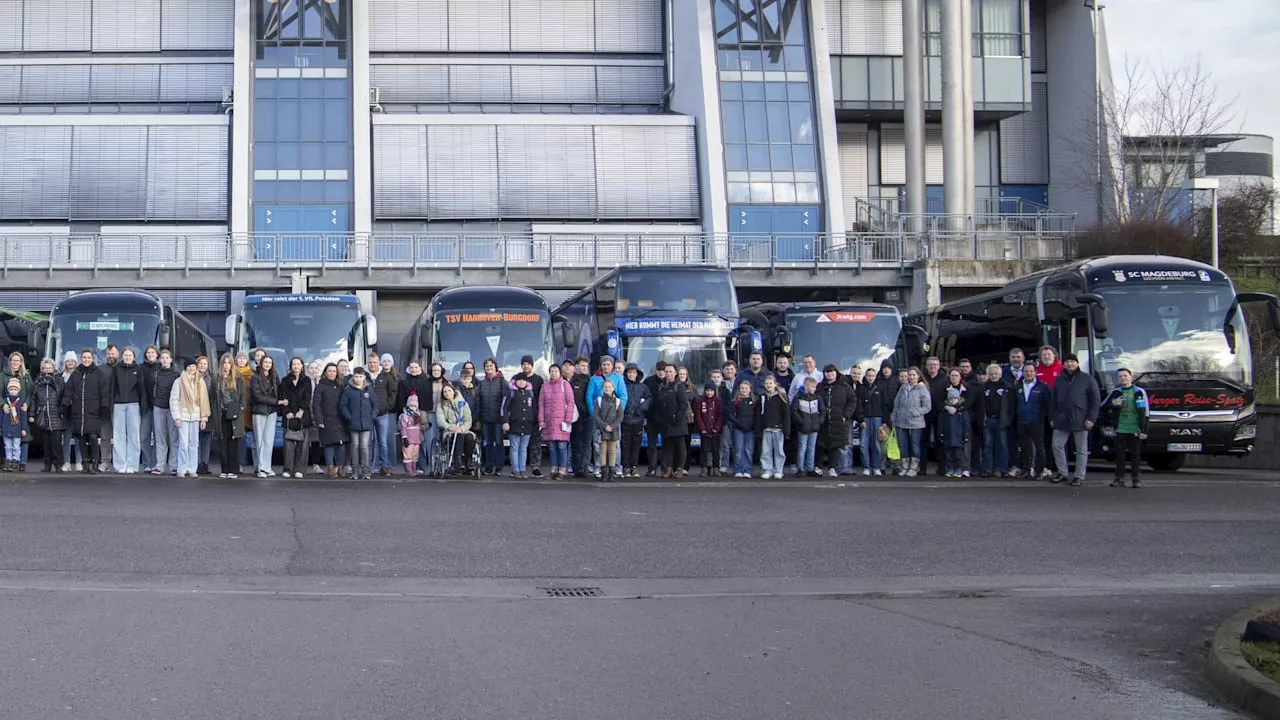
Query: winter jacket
x=45 y=408
x=420 y=385
x=328 y=397
x=86 y=400
x=359 y=407
x=532 y=379
x=1075 y=401
x=15 y=423
x=411 y=427
x=741 y=414
x=807 y=413
x=876 y=400
x=937 y=393
x=668 y=413
x=775 y=413
x=387 y=390
x=756 y=378
x=797 y=383
x=1036 y=409
x=608 y=414
x=25 y=380
x=995 y=401
x=264 y=395
x=491 y=398
x=708 y=415
x=840 y=406
x=126 y=384
x=956 y=428
x=299 y=396
x=556 y=406
x=456 y=413
x=469 y=395
x=1048 y=374
x=639 y=399
x=521 y=412
x=232 y=407
x=158 y=384
x=580 y=384
x=1110 y=414
x=596 y=387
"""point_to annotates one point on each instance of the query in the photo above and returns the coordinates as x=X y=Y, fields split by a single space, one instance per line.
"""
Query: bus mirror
x=232 y=330
x=1097 y=313
x=569 y=335
x=38 y=338
x=370 y=331
x=1273 y=305
x=164 y=336
x=426 y=336
x=782 y=340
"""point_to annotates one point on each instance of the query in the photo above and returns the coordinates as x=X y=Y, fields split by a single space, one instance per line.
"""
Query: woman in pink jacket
x=556 y=411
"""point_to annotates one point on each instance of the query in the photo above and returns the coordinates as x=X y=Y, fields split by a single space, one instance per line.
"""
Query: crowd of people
x=149 y=415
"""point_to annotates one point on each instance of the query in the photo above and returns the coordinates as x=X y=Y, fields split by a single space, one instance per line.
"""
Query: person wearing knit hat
x=386 y=388
x=14 y=425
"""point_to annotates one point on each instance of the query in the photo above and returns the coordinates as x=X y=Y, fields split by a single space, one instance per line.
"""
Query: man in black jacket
x=877 y=408
x=534 y=380
x=785 y=377
x=1075 y=411
x=996 y=409
x=652 y=431
x=937 y=381
x=578 y=373
x=668 y=411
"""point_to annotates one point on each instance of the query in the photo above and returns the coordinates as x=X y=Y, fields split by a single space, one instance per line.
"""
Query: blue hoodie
x=596 y=388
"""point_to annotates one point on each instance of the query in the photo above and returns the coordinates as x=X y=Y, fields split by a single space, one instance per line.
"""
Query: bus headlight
x=1248 y=432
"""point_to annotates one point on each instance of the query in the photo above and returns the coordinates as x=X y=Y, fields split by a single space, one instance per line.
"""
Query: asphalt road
x=140 y=598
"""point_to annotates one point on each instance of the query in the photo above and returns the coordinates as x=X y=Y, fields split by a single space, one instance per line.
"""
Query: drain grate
x=571 y=592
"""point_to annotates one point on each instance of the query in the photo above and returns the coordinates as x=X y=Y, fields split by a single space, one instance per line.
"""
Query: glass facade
x=302 y=113
x=768 y=116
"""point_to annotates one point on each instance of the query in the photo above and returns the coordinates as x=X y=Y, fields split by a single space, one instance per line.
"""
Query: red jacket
x=1048 y=374
x=708 y=415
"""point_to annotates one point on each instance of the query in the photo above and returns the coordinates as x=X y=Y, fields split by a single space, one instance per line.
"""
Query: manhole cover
x=571 y=592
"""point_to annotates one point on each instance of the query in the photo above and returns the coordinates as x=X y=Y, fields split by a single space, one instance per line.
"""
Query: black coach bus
x=1176 y=323
x=475 y=322
x=95 y=319
x=844 y=334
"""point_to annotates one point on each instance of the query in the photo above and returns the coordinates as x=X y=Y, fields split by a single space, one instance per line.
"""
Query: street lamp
x=1099 y=128
x=1210 y=184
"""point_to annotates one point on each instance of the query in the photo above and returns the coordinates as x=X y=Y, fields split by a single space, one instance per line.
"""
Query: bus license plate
x=1185 y=447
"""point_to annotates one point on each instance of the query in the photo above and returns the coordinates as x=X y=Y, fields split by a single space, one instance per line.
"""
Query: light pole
x=1095 y=8
x=1210 y=184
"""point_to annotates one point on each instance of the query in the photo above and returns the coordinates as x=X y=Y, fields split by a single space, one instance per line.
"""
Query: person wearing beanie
x=534 y=381
x=1076 y=400
x=633 y=417
x=386 y=387
x=14 y=425
x=708 y=415
x=410 y=424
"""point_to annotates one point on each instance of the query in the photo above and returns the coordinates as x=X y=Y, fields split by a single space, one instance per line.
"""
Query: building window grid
x=766 y=104
x=997 y=26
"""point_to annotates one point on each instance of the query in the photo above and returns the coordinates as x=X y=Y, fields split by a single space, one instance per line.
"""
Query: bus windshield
x=845 y=338
x=711 y=290
x=504 y=335
x=74 y=332
x=1172 y=334
x=325 y=332
x=700 y=354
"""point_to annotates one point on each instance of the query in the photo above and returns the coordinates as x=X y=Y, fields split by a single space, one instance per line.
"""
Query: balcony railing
x=425 y=252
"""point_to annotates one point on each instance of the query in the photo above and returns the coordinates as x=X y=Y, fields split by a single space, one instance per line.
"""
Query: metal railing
x=424 y=252
x=885 y=215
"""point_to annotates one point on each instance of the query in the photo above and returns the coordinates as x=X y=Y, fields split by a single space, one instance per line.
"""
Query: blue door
x=795 y=232
x=301 y=233
x=761 y=231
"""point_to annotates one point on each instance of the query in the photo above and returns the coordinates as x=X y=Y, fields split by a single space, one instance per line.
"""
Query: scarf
x=193 y=396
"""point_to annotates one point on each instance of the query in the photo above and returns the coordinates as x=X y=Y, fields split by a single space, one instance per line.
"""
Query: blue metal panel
x=1038 y=194
x=795 y=228
x=301 y=232
x=759 y=227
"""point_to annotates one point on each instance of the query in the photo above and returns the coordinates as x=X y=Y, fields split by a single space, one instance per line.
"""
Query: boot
x=332 y=471
x=911 y=467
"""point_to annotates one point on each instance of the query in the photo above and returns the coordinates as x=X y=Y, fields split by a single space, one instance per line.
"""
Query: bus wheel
x=1167 y=462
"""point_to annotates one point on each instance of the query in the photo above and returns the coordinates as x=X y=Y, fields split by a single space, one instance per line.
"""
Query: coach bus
x=474 y=322
x=844 y=334
x=324 y=328
x=97 y=319
x=1177 y=324
x=674 y=313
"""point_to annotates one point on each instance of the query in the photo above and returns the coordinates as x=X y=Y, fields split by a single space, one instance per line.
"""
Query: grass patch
x=1265 y=656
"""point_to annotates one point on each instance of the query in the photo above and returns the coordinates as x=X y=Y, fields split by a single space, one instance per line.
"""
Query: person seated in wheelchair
x=453 y=417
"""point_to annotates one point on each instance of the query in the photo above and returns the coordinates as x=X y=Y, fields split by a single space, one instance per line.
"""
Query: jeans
x=384 y=451
x=375 y=440
x=492 y=445
x=806 y=451
x=264 y=440
x=69 y=444
x=126 y=427
x=13 y=449
x=361 y=445
x=744 y=446
x=519 y=452
x=147 y=436
x=188 y=457
x=772 y=454
x=335 y=455
x=910 y=442
x=166 y=438
x=710 y=451
x=995 y=450
x=871 y=450
x=849 y=453
x=559 y=453
x=1081 y=438
x=726 y=450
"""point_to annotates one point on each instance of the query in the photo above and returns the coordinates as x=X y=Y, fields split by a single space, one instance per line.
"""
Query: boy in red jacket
x=708 y=415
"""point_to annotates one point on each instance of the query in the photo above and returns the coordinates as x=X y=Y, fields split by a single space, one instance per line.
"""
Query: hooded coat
x=639 y=398
x=420 y=385
x=839 y=406
x=359 y=407
x=555 y=409
x=670 y=409
x=46 y=403
x=596 y=388
x=87 y=400
x=299 y=396
x=328 y=396
x=708 y=415
x=911 y=406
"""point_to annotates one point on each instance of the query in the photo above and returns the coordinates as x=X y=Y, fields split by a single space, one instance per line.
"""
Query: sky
x=1235 y=40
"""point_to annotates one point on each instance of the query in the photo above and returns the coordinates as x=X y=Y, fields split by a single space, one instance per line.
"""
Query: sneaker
x=867 y=471
x=79 y=467
x=66 y=467
x=262 y=474
x=965 y=474
x=1118 y=482
x=832 y=473
x=223 y=475
x=1076 y=482
x=1057 y=478
x=1015 y=473
x=1046 y=474
x=1137 y=483
x=878 y=473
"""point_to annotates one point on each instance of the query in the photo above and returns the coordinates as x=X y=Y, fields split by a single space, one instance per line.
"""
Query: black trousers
x=711 y=451
x=51 y=446
x=674 y=453
x=229 y=446
x=580 y=447
x=631 y=434
x=826 y=456
x=655 y=456
x=90 y=450
x=1031 y=457
x=1128 y=448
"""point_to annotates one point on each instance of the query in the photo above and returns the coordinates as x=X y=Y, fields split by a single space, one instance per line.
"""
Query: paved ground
x=141 y=598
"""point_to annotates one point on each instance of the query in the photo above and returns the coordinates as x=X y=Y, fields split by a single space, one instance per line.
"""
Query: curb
x=1227 y=670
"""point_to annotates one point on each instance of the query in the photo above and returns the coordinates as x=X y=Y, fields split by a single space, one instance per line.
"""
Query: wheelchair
x=445 y=453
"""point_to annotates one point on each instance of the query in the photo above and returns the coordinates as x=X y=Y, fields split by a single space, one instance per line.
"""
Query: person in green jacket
x=1129 y=412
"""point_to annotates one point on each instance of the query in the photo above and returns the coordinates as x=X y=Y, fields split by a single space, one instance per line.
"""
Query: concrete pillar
x=241 y=158
x=697 y=93
x=361 y=131
x=966 y=55
x=953 y=124
x=913 y=93
x=824 y=112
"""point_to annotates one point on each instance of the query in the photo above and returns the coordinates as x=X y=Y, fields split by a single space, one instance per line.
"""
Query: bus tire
x=1167 y=462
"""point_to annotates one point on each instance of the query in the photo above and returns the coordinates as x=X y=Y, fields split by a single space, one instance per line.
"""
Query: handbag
x=884 y=433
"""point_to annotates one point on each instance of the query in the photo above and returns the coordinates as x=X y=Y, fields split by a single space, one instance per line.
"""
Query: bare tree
x=1152 y=129
x=1245 y=219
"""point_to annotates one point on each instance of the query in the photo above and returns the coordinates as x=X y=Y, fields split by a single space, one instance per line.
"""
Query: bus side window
x=1080 y=342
